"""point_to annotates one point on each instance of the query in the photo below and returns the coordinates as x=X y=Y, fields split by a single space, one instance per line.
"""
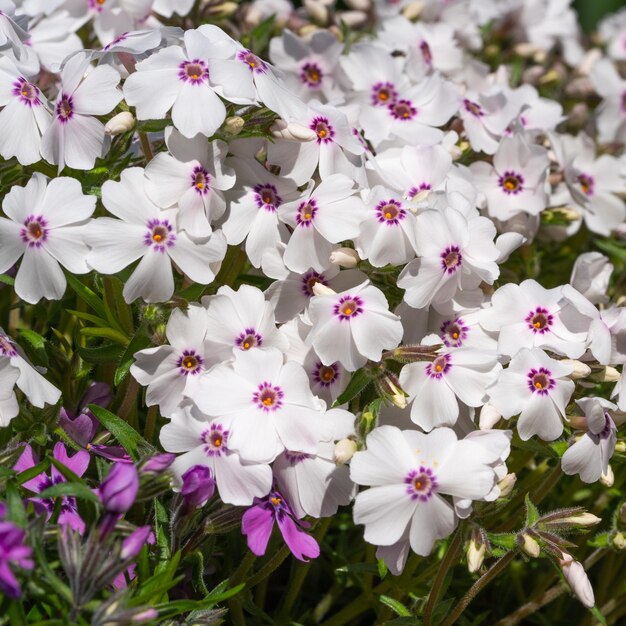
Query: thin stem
x=449 y=560
x=497 y=568
x=151 y=417
x=273 y=564
x=145 y=146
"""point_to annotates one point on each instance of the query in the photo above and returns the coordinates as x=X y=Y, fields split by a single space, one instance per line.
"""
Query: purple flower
x=13 y=552
x=77 y=464
x=135 y=541
x=198 y=486
x=157 y=464
x=119 y=489
x=258 y=522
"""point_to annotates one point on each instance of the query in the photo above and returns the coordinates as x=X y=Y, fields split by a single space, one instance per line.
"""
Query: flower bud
x=198 y=486
x=344 y=257
x=320 y=289
x=131 y=546
x=353 y=19
x=579 y=369
x=583 y=519
x=344 y=451
x=226 y=9
x=292 y=131
x=316 y=10
x=526 y=49
x=233 y=125
x=619 y=541
x=609 y=478
x=620 y=446
x=506 y=485
x=119 y=489
x=359 y=5
x=607 y=374
x=144 y=616
x=120 y=123
x=530 y=546
x=489 y=417
x=412 y=11
x=475 y=555
x=579 y=115
x=577 y=579
x=388 y=387
x=157 y=464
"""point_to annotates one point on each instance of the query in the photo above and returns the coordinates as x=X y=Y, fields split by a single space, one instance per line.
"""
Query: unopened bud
x=584 y=519
x=578 y=422
x=607 y=374
x=353 y=19
x=530 y=546
x=120 y=123
x=580 y=87
x=579 y=369
x=316 y=10
x=413 y=10
x=620 y=446
x=589 y=60
x=234 y=124
x=475 y=555
x=579 y=115
x=550 y=76
x=226 y=9
x=577 y=579
x=320 y=289
x=144 y=616
x=526 y=49
x=292 y=131
x=344 y=451
x=344 y=257
x=609 y=478
x=620 y=231
x=389 y=388
x=506 y=485
x=489 y=417
x=359 y=5
x=619 y=541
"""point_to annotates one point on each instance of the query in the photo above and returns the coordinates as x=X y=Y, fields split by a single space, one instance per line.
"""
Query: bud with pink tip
x=577 y=579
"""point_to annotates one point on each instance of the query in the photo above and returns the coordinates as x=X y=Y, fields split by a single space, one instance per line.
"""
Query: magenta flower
x=258 y=522
x=77 y=464
x=198 y=486
x=119 y=489
x=13 y=553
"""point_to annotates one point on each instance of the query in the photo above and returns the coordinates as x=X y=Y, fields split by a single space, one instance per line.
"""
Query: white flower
x=454 y=253
x=515 y=183
x=611 y=112
x=590 y=275
x=409 y=473
x=192 y=176
x=577 y=579
x=75 y=137
x=47 y=226
x=538 y=389
x=313 y=484
x=267 y=405
x=240 y=320
x=433 y=388
x=353 y=326
x=172 y=371
x=9 y=407
x=148 y=233
x=589 y=456
x=25 y=117
x=208 y=442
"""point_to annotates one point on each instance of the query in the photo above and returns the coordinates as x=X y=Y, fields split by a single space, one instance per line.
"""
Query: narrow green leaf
x=88 y=317
x=101 y=354
x=15 y=506
x=503 y=540
x=38 y=344
x=397 y=607
x=31 y=472
x=357 y=383
x=105 y=333
x=138 y=342
x=532 y=514
x=7 y=280
x=382 y=568
x=70 y=489
x=87 y=295
x=128 y=437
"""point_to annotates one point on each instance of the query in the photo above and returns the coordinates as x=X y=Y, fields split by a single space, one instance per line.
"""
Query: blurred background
x=592 y=11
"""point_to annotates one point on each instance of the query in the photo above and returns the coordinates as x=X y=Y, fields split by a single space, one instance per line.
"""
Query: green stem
x=449 y=560
x=145 y=146
x=497 y=568
x=273 y=564
x=151 y=417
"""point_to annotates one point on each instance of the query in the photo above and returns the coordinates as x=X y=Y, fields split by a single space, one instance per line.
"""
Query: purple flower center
x=268 y=397
x=215 y=440
x=6 y=347
x=256 y=65
x=266 y=197
x=540 y=320
x=311 y=75
x=189 y=362
x=512 y=183
x=606 y=431
x=296 y=457
x=306 y=213
x=200 y=180
x=383 y=94
x=402 y=110
x=427 y=55
x=194 y=72
x=65 y=108
x=390 y=212
x=587 y=184
x=473 y=108
x=451 y=259
x=98 y=5
x=323 y=129
x=540 y=381
x=309 y=279
x=26 y=92
x=117 y=40
x=414 y=191
x=454 y=332
x=34 y=231
x=159 y=235
x=348 y=307
x=421 y=483
x=440 y=366
x=248 y=339
x=326 y=375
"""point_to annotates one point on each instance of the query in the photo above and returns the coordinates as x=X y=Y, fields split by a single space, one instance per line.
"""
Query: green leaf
x=7 y=280
x=15 y=506
x=114 y=297
x=87 y=295
x=176 y=607
x=31 y=472
x=128 y=437
x=138 y=342
x=105 y=333
x=601 y=540
x=559 y=447
x=70 y=489
x=88 y=317
x=503 y=540
x=612 y=248
x=38 y=344
x=382 y=568
x=397 y=607
x=360 y=379
x=105 y=353
x=532 y=514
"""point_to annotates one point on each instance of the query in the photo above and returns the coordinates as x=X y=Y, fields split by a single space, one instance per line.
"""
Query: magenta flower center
x=540 y=381
x=309 y=279
x=311 y=75
x=421 y=483
x=34 y=231
x=454 y=332
x=6 y=348
x=266 y=197
x=65 y=108
x=511 y=183
x=306 y=213
x=390 y=212
x=215 y=440
x=473 y=108
x=323 y=129
x=255 y=64
x=159 y=235
x=194 y=72
x=586 y=184
x=268 y=397
x=451 y=259
x=326 y=375
x=440 y=366
x=27 y=93
x=383 y=94
x=540 y=320
x=189 y=362
x=248 y=339
x=348 y=307
x=200 y=180
x=402 y=110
